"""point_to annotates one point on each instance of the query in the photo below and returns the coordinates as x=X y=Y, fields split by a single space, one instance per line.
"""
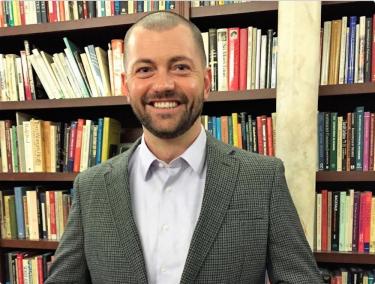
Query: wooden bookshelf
x=28 y=244
x=327 y=176
x=345 y=257
x=46 y=177
x=347 y=89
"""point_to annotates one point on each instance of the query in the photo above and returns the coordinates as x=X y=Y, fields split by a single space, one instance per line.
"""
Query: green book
x=333 y=142
x=359 y=118
x=342 y=226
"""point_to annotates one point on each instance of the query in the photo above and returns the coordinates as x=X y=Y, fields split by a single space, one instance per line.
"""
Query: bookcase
x=99 y=31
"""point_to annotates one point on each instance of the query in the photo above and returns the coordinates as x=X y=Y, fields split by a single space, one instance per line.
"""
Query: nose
x=163 y=82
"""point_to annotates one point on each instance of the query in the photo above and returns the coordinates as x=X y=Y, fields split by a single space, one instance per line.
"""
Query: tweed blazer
x=247 y=225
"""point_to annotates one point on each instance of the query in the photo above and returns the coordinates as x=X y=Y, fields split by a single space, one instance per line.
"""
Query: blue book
x=140 y=6
x=73 y=132
x=19 y=193
x=321 y=140
x=117 y=7
x=359 y=119
x=351 y=51
x=218 y=128
x=99 y=141
x=214 y=126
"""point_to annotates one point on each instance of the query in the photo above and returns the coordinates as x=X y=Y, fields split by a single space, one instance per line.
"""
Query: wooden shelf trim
x=122 y=100
x=345 y=257
x=37 y=176
x=347 y=89
x=82 y=24
x=28 y=244
x=327 y=176
x=233 y=9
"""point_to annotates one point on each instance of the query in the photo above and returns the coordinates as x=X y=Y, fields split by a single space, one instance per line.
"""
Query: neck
x=169 y=149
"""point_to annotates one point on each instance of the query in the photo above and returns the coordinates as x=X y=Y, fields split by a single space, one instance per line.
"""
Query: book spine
x=352 y=36
x=243 y=59
x=212 y=37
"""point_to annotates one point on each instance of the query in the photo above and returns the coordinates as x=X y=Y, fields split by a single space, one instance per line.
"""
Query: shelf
x=347 y=89
x=233 y=9
x=327 y=176
x=123 y=101
x=49 y=177
x=28 y=244
x=345 y=257
x=82 y=24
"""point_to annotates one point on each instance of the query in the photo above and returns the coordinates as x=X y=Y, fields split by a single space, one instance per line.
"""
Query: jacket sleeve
x=70 y=264
x=289 y=257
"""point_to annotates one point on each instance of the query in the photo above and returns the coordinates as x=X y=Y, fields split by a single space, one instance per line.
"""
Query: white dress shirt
x=166 y=201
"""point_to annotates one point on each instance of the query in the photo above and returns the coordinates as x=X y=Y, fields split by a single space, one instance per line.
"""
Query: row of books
x=346 y=142
x=347 y=275
x=34 y=213
x=252 y=133
x=347 y=51
x=198 y=3
x=25 y=266
x=34 y=145
x=73 y=73
x=345 y=221
x=21 y=12
x=241 y=58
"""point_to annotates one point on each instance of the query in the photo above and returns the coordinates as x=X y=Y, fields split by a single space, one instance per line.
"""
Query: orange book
x=239 y=136
x=61 y=11
x=117 y=65
x=224 y=129
x=259 y=134
x=77 y=150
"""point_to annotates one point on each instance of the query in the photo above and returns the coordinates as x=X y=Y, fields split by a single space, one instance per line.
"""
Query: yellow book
x=235 y=129
x=372 y=226
x=111 y=137
x=37 y=145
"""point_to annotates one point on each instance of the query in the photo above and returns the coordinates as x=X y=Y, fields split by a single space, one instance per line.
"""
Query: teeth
x=165 y=104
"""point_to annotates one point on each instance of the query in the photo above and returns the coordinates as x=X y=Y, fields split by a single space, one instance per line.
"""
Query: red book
x=367 y=221
x=243 y=58
x=233 y=59
x=372 y=133
x=77 y=151
x=52 y=11
x=112 y=8
x=85 y=10
x=39 y=261
x=324 y=220
x=52 y=215
x=260 y=135
x=25 y=75
x=72 y=145
x=22 y=12
x=19 y=266
x=270 y=151
x=361 y=229
x=373 y=50
x=2 y=21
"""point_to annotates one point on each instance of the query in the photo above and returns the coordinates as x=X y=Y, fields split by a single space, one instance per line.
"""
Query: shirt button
x=168 y=189
x=163 y=269
x=165 y=227
x=161 y=165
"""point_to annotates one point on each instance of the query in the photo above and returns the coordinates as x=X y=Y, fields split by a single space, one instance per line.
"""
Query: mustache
x=174 y=96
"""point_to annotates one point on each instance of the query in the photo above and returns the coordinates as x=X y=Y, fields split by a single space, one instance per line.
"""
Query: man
x=179 y=206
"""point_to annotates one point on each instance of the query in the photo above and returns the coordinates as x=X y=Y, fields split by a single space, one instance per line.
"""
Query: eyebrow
x=171 y=61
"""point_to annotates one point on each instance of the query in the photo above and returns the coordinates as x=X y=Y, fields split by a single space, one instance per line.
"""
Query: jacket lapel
x=118 y=194
x=222 y=170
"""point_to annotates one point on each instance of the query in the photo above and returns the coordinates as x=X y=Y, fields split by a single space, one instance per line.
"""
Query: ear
x=207 y=82
x=124 y=86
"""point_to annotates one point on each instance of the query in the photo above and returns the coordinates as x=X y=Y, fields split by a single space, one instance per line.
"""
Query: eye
x=182 y=67
x=143 y=70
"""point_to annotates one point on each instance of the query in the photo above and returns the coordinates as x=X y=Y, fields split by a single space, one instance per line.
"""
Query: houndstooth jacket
x=247 y=225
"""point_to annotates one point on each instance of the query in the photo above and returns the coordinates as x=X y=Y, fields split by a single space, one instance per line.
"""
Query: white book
x=249 y=57
x=11 y=77
x=131 y=7
x=3 y=85
x=361 y=53
x=263 y=62
x=32 y=210
x=346 y=56
x=20 y=83
x=67 y=76
x=53 y=154
x=86 y=145
x=108 y=8
x=274 y=63
x=40 y=72
x=325 y=53
x=257 y=65
x=94 y=65
x=30 y=12
x=339 y=143
x=253 y=59
x=102 y=58
x=318 y=222
x=110 y=63
x=344 y=24
x=90 y=78
x=356 y=55
x=342 y=216
x=67 y=10
x=98 y=8
x=222 y=58
x=60 y=80
x=47 y=59
x=28 y=146
x=205 y=45
x=82 y=165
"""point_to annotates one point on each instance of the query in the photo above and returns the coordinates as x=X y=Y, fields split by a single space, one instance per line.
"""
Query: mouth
x=164 y=104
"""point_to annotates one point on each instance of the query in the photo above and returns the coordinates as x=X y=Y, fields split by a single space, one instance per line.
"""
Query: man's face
x=166 y=80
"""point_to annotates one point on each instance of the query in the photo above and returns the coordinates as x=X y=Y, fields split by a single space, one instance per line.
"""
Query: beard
x=184 y=122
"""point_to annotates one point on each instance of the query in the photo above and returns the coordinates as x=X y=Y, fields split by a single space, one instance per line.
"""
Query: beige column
x=296 y=102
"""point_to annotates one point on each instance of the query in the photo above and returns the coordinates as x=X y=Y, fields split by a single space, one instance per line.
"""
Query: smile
x=165 y=104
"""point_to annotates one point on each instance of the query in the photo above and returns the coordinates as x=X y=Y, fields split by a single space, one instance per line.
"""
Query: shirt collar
x=194 y=155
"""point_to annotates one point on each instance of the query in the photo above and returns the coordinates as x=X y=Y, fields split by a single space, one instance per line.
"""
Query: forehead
x=153 y=43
